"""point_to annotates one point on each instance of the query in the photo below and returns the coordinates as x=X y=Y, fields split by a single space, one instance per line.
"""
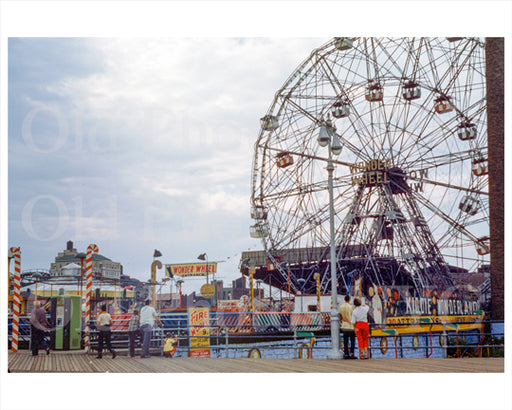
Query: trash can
x=66 y=322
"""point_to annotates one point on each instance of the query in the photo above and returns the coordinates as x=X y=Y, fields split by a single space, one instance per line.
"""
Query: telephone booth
x=66 y=322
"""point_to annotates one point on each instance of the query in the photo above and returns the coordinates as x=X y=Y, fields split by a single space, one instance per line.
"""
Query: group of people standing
x=142 y=322
x=354 y=323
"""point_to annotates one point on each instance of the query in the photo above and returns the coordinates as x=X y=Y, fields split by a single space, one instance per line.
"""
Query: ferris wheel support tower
x=494 y=53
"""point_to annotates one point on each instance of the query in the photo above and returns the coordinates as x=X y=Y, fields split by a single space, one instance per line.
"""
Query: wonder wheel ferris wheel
x=407 y=122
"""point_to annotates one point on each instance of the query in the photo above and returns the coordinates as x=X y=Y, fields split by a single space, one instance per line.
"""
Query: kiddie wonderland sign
x=388 y=303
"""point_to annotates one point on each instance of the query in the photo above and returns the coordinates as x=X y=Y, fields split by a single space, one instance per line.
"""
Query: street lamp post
x=37 y=276
x=327 y=137
x=81 y=256
x=154 y=265
x=164 y=281
x=259 y=282
x=115 y=296
x=10 y=256
x=318 y=300
x=301 y=281
x=180 y=282
x=203 y=257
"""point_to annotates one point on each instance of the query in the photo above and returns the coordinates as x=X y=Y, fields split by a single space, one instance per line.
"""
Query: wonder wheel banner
x=199 y=332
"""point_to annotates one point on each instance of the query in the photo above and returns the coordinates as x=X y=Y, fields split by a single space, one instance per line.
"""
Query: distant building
x=102 y=266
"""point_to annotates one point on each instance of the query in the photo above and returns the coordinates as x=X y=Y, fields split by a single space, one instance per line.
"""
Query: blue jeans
x=147 y=332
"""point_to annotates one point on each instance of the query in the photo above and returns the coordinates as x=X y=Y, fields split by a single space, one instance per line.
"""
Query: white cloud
x=158 y=143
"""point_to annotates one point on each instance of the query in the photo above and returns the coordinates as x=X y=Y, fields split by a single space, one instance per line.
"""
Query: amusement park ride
x=410 y=185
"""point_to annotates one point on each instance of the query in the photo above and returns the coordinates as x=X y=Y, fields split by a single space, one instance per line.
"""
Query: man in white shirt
x=347 y=328
x=148 y=317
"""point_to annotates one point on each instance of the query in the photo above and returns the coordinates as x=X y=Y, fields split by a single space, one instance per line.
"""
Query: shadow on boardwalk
x=80 y=362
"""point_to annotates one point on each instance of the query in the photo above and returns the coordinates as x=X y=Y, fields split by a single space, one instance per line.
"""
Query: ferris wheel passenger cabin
x=258 y=230
x=343 y=43
x=284 y=159
x=466 y=131
x=469 y=205
x=374 y=93
x=269 y=123
x=480 y=166
x=411 y=91
x=483 y=247
x=340 y=109
x=259 y=212
x=443 y=105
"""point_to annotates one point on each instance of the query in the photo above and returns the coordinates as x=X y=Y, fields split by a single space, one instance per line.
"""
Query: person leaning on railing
x=104 y=322
x=362 y=329
x=133 y=330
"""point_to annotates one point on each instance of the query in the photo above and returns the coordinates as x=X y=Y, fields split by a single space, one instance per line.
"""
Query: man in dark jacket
x=38 y=328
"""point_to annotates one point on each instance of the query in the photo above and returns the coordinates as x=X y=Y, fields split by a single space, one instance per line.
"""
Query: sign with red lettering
x=199 y=332
x=192 y=269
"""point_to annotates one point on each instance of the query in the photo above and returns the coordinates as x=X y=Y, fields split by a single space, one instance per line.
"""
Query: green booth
x=66 y=321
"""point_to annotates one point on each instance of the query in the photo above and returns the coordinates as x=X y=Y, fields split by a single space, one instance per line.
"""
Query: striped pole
x=88 y=290
x=16 y=301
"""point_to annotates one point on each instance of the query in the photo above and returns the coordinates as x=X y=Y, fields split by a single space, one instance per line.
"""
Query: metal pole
x=9 y=274
x=318 y=292
x=289 y=292
x=335 y=352
x=115 y=297
x=252 y=288
x=227 y=343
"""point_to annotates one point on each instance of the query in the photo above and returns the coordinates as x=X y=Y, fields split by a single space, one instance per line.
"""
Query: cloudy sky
x=136 y=144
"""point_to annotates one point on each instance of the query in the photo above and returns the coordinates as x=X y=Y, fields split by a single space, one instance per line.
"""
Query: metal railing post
x=227 y=343
x=445 y=341
x=294 y=343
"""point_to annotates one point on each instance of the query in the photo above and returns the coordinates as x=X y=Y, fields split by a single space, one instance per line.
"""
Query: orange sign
x=199 y=332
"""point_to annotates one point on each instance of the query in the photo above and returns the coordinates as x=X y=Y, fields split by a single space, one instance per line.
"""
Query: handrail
x=228 y=331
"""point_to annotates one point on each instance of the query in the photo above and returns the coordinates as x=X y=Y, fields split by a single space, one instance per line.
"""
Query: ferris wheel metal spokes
x=410 y=115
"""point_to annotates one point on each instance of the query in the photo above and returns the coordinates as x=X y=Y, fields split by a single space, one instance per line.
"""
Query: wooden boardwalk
x=80 y=362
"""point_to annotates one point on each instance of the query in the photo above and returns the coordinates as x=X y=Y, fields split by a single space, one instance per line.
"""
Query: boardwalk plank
x=78 y=361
